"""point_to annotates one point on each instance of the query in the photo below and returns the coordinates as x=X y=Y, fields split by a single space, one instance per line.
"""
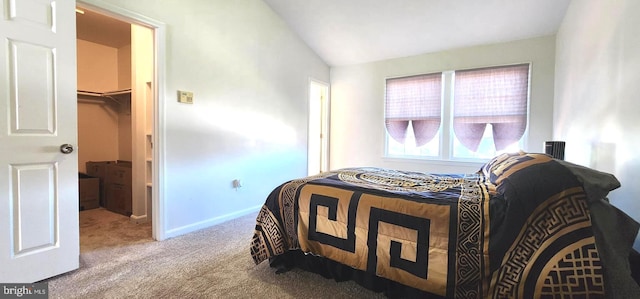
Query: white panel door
x=38 y=182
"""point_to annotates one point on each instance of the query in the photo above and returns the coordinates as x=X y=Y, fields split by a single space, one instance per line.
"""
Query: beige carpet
x=120 y=260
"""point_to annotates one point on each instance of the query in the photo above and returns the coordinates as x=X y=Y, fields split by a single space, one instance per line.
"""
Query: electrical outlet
x=236 y=183
x=185 y=97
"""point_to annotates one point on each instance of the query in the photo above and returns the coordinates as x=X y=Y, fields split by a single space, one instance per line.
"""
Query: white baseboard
x=209 y=222
x=138 y=219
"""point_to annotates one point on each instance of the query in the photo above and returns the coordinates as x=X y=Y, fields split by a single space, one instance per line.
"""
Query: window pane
x=487 y=115
x=409 y=147
x=490 y=99
x=486 y=148
x=413 y=103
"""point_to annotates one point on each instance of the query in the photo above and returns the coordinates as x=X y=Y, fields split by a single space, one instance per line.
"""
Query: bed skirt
x=333 y=270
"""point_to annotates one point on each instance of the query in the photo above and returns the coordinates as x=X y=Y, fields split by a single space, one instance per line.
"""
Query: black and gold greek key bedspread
x=519 y=227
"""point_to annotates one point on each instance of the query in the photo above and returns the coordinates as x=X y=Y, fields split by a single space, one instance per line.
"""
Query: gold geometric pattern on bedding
x=473 y=216
x=398 y=255
x=551 y=224
x=473 y=211
x=287 y=206
x=514 y=163
x=397 y=239
x=577 y=274
x=392 y=180
x=270 y=235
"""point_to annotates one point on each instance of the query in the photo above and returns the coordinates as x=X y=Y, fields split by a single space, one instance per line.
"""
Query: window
x=413 y=107
x=484 y=114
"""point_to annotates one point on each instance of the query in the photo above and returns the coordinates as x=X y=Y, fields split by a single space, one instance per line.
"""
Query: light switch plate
x=185 y=97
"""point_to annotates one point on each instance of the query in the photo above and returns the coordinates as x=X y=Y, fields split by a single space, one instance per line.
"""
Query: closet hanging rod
x=89 y=93
x=106 y=93
x=117 y=92
x=109 y=94
x=90 y=100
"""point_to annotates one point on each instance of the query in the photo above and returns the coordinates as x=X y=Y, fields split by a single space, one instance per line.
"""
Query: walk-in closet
x=115 y=118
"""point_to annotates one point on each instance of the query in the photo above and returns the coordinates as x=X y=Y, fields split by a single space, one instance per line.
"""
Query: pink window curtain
x=414 y=100
x=496 y=96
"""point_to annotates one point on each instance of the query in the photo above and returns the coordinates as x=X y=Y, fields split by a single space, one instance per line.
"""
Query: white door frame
x=158 y=159
x=324 y=128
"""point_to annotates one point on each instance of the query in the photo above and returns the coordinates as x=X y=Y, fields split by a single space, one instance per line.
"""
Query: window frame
x=445 y=132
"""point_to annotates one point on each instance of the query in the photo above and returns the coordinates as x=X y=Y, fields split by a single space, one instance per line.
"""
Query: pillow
x=596 y=184
x=497 y=161
x=502 y=166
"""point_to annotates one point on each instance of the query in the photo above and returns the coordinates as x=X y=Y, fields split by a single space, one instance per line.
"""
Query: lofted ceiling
x=344 y=32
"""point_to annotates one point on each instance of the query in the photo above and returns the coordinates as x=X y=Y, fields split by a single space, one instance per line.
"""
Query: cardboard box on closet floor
x=115 y=178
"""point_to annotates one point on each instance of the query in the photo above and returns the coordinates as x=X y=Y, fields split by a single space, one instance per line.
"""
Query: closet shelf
x=116 y=95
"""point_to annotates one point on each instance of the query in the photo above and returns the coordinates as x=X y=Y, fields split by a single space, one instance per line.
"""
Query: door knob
x=66 y=148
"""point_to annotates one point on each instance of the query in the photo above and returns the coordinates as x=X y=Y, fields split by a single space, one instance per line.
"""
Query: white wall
x=124 y=123
x=250 y=77
x=357 y=100
x=597 y=102
x=102 y=123
x=97 y=66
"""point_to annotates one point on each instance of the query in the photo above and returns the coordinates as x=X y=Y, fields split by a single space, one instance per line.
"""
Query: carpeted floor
x=120 y=260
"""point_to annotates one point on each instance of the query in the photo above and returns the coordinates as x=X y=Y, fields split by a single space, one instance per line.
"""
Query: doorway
x=133 y=105
x=318 y=156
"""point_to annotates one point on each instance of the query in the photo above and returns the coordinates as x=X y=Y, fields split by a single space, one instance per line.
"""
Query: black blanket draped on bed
x=519 y=226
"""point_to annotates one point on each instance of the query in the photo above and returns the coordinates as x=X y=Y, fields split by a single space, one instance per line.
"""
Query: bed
x=524 y=225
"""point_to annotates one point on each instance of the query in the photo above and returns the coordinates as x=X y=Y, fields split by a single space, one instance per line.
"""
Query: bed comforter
x=522 y=226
